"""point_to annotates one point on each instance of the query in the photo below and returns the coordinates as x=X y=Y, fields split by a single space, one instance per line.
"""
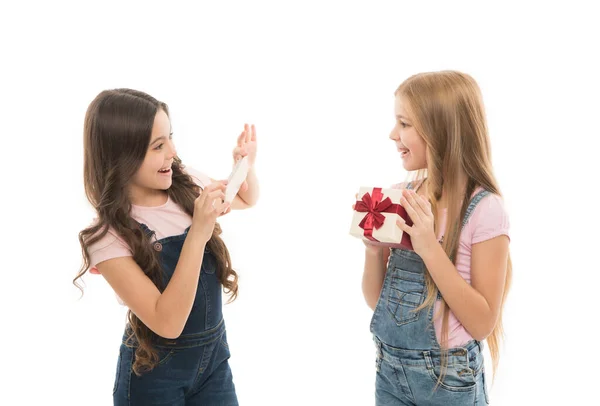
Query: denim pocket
x=405 y=295
x=458 y=377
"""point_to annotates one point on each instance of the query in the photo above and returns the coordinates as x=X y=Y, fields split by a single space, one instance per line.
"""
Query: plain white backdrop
x=317 y=80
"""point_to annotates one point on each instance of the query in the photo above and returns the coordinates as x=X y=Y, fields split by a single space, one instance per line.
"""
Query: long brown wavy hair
x=117 y=130
x=448 y=113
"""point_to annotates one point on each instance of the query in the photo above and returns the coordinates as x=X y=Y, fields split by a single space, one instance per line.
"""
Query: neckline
x=152 y=207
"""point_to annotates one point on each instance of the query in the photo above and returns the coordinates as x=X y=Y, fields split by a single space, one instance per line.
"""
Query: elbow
x=252 y=202
x=168 y=329
x=480 y=336
x=483 y=331
x=169 y=333
x=166 y=323
x=243 y=204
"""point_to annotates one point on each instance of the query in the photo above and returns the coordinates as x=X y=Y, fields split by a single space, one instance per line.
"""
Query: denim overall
x=193 y=368
x=408 y=352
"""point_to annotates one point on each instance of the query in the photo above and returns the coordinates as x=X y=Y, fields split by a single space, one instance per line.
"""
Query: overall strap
x=471 y=208
x=151 y=234
x=474 y=202
x=410 y=185
x=145 y=229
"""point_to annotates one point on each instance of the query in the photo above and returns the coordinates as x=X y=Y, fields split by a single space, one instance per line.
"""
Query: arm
x=476 y=306
x=166 y=313
x=376 y=259
x=248 y=196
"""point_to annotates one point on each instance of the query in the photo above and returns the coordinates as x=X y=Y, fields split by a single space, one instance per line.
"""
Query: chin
x=411 y=167
x=164 y=185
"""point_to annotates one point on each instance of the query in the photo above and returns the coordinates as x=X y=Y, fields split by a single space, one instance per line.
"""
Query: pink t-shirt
x=166 y=220
x=488 y=220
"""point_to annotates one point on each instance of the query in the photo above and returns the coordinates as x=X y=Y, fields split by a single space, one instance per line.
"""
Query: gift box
x=236 y=179
x=375 y=216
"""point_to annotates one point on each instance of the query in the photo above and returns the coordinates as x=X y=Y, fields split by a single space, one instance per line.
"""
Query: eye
x=402 y=124
x=160 y=146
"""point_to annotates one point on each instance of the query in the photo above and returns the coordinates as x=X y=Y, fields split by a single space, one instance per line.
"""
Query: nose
x=173 y=151
x=394 y=134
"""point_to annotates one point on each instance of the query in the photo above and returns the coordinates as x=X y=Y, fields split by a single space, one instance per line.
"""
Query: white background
x=317 y=79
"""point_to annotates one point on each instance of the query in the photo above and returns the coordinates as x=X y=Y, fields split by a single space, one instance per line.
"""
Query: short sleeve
x=198 y=177
x=108 y=247
x=489 y=219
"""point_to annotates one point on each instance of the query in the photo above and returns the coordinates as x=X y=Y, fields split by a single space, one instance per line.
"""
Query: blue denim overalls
x=193 y=369
x=408 y=352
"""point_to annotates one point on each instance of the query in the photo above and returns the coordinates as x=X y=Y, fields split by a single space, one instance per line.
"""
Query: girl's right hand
x=207 y=207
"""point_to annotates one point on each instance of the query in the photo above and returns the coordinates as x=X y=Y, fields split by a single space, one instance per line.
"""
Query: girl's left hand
x=246 y=146
x=422 y=234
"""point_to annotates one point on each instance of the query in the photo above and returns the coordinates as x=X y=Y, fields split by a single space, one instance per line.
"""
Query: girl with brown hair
x=156 y=242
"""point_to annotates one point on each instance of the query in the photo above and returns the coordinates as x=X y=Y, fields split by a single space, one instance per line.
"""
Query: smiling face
x=155 y=173
x=412 y=147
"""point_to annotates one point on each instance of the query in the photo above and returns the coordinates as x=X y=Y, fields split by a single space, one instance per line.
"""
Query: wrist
x=373 y=250
x=196 y=236
x=433 y=251
x=373 y=253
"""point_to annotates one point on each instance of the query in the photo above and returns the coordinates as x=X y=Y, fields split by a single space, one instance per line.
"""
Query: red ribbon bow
x=373 y=205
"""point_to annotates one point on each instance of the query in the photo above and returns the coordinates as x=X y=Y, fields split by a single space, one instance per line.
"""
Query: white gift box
x=375 y=216
x=237 y=177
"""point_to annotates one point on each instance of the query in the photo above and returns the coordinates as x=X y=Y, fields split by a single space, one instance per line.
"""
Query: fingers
x=213 y=196
x=222 y=209
x=246 y=136
x=247 y=133
x=237 y=154
x=424 y=204
x=403 y=226
x=214 y=186
x=241 y=151
x=216 y=193
x=411 y=206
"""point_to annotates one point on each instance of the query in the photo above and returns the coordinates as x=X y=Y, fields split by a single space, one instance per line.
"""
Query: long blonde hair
x=447 y=112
